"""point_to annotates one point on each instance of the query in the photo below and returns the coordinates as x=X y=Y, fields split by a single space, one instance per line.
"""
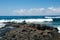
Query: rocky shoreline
x=31 y=31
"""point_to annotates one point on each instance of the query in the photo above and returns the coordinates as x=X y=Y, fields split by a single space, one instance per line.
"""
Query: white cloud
x=53 y=10
x=37 y=11
x=32 y=10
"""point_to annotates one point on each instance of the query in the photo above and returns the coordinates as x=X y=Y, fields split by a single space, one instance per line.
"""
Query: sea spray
x=58 y=29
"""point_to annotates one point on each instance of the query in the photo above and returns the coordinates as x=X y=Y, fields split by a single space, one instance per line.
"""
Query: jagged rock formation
x=31 y=32
x=27 y=34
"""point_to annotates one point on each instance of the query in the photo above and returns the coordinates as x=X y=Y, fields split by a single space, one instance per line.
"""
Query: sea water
x=48 y=20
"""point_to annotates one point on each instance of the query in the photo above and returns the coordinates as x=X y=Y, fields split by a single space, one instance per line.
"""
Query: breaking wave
x=27 y=20
x=21 y=20
x=52 y=17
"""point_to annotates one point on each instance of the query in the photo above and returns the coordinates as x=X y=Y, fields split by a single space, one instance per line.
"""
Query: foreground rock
x=25 y=31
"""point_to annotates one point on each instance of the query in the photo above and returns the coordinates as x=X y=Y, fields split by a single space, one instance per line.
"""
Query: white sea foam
x=58 y=29
x=2 y=25
x=21 y=20
x=52 y=17
x=27 y=20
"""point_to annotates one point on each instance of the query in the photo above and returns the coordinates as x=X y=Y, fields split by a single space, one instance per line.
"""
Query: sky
x=29 y=7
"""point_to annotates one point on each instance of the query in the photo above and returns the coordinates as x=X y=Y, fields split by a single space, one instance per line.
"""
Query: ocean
x=48 y=20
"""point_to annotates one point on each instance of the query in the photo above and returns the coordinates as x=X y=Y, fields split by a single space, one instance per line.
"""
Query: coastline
x=32 y=29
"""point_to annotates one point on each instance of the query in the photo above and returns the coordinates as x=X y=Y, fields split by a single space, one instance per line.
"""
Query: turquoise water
x=54 y=23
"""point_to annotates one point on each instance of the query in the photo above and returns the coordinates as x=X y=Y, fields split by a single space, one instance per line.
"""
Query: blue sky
x=29 y=7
